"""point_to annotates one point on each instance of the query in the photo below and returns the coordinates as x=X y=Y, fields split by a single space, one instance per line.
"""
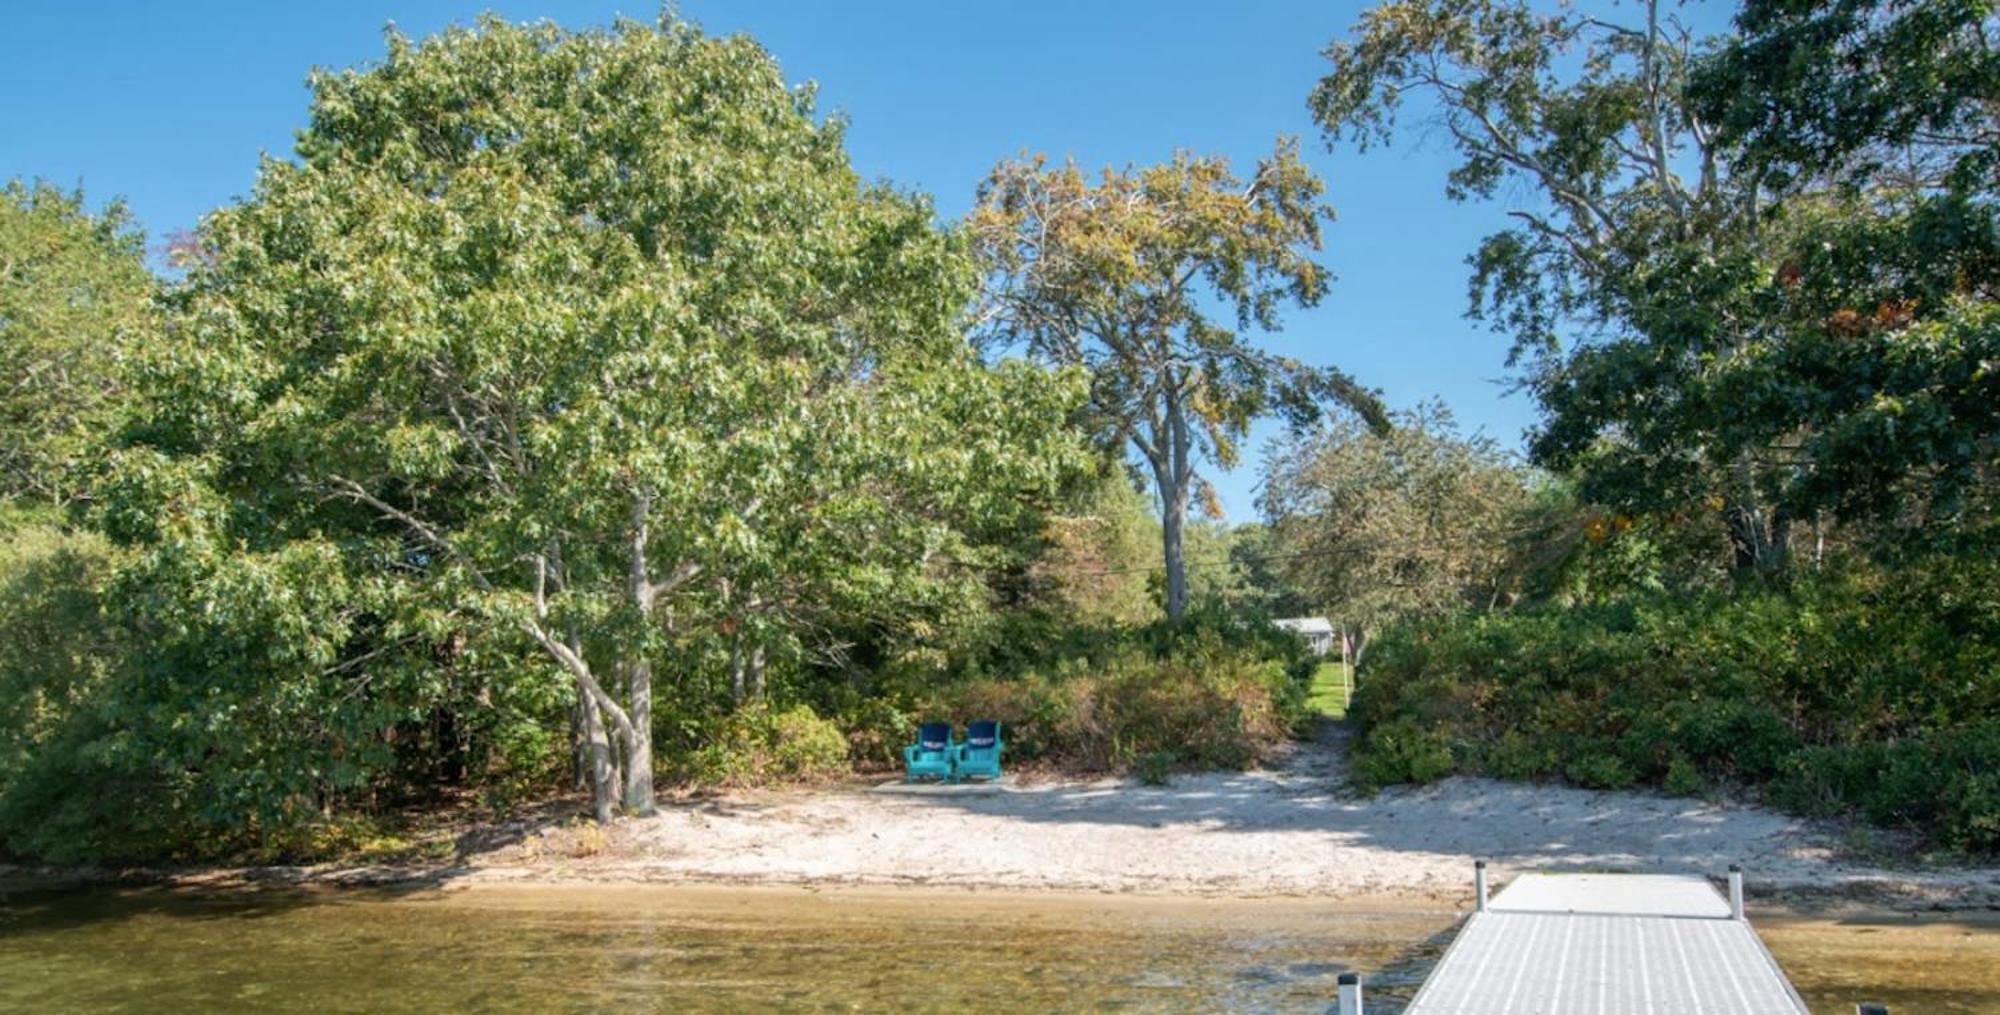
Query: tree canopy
x=1408 y=523
x=1693 y=336
x=75 y=303
x=589 y=343
x=1118 y=274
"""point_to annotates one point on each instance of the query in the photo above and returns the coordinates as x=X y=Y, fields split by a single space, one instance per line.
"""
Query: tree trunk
x=737 y=690
x=1756 y=543
x=579 y=742
x=603 y=779
x=757 y=672
x=1173 y=469
x=1173 y=522
x=637 y=731
x=639 y=749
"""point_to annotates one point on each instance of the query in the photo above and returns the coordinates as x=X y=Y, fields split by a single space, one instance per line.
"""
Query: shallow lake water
x=659 y=948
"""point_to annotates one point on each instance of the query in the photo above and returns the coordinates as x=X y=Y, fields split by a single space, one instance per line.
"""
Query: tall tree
x=75 y=300
x=1898 y=91
x=1623 y=288
x=1694 y=336
x=1118 y=275
x=1876 y=125
x=1377 y=528
x=582 y=339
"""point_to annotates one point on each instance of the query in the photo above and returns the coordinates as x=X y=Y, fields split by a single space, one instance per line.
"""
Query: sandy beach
x=1294 y=829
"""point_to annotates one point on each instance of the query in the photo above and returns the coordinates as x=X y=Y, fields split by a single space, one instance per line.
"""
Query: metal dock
x=1594 y=944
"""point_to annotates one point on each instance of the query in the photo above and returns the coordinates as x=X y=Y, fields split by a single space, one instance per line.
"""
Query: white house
x=1317 y=631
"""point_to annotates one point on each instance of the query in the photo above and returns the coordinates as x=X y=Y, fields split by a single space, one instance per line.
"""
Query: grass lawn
x=1329 y=691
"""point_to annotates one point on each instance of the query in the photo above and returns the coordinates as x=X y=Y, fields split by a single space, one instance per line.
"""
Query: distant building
x=1317 y=631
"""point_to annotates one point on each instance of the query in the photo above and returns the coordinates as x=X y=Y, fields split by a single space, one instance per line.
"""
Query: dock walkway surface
x=1594 y=944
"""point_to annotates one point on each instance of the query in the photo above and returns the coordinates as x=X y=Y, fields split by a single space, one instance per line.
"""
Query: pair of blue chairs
x=935 y=756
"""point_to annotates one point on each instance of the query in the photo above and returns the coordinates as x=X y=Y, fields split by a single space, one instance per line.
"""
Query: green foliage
x=1859 y=86
x=590 y=346
x=1415 y=521
x=1714 y=319
x=1240 y=569
x=1155 y=768
x=75 y=308
x=555 y=365
x=1866 y=690
x=1118 y=275
x=1101 y=554
x=759 y=744
x=1400 y=750
x=1214 y=690
x=1948 y=782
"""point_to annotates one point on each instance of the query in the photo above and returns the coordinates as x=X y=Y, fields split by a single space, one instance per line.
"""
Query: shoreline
x=1784 y=903
x=1269 y=836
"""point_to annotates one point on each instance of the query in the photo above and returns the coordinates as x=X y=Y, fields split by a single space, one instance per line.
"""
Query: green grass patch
x=1329 y=693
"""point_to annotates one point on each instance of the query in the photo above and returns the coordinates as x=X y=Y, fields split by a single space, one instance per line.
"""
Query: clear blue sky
x=168 y=105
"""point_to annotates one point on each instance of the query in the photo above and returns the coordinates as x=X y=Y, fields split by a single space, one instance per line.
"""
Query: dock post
x=1479 y=884
x=1865 y=1008
x=1735 y=892
x=1350 y=994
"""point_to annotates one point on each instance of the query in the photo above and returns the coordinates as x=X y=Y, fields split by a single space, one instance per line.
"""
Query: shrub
x=1154 y=767
x=1869 y=692
x=1213 y=691
x=1402 y=751
x=758 y=744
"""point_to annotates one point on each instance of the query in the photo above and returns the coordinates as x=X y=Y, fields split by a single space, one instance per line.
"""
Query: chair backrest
x=934 y=736
x=983 y=734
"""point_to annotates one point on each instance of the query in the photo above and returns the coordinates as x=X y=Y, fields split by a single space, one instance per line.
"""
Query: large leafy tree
x=1694 y=335
x=1121 y=274
x=1375 y=528
x=1899 y=91
x=1876 y=126
x=75 y=300
x=1624 y=286
x=583 y=342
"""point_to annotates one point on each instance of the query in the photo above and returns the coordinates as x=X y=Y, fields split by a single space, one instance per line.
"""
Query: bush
x=1871 y=692
x=1213 y=691
x=758 y=744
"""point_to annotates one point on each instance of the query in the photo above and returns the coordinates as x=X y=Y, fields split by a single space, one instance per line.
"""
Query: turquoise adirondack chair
x=980 y=754
x=932 y=755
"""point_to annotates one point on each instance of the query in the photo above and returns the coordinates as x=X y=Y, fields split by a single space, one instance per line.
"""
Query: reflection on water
x=537 y=948
x=1913 y=964
x=654 y=948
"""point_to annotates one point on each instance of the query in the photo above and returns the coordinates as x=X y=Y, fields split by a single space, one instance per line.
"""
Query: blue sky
x=169 y=106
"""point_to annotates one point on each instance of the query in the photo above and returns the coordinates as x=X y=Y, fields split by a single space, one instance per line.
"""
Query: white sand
x=1294 y=831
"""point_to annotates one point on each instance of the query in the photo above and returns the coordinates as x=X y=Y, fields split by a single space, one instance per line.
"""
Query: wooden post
x=1479 y=884
x=1350 y=994
x=1735 y=892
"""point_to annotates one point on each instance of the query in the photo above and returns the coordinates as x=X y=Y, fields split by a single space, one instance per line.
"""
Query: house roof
x=1306 y=625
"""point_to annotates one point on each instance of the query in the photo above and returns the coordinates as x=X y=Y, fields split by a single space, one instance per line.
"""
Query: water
x=655 y=948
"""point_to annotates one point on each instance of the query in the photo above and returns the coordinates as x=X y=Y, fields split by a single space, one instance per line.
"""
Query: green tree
x=1408 y=523
x=1694 y=336
x=1876 y=124
x=1907 y=90
x=1101 y=554
x=1119 y=275
x=75 y=301
x=1624 y=287
x=576 y=341
x=1236 y=568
